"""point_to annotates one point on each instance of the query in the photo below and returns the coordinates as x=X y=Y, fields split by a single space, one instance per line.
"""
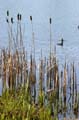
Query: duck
x=61 y=43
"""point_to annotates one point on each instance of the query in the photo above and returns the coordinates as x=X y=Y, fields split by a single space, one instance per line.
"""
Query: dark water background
x=65 y=19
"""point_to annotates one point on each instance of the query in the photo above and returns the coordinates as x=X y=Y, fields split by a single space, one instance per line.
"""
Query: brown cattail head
x=7 y=20
x=31 y=18
x=50 y=20
x=7 y=12
x=18 y=16
x=12 y=20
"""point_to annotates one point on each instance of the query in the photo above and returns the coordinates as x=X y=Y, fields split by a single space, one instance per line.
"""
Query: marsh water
x=65 y=21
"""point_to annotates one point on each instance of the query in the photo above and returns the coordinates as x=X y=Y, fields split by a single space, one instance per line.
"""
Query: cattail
x=7 y=12
x=12 y=20
x=18 y=16
x=31 y=18
x=7 y=20
x=50 y=20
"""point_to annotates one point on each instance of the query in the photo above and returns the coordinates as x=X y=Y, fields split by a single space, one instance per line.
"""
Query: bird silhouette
x=61 y=43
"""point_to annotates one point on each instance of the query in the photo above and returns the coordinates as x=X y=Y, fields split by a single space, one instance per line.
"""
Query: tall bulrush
x=64 y=85
x=14 y=61
x=14 y=72
x=33 y=63
x=32 y=78
x=41 y=77
x=10 y=72
x=17 y=67
x=61 y=91
x=4 y=70
x=11 y=46
x=57 y=89
x=50 y=21
x=10 y=32
x=76 y=97
x=34 y=69
x=47 y=75
x=19 y=36
x=73 y=81
x=70 y=87
x=75 y=106
x=55 y=72
x=33 y=39
x=7 y=20
x=25 y=67
x=20 y=41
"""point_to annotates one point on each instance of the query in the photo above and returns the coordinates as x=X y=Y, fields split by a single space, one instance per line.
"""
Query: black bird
x=61 y=43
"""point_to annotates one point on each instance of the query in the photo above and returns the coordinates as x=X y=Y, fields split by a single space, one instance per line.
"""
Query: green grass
x=17 y=105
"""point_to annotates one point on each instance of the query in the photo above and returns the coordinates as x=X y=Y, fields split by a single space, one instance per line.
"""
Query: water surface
x=65 y=19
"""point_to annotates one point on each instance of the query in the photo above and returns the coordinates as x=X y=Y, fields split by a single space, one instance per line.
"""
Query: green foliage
x=17 y=105
x=41 y=98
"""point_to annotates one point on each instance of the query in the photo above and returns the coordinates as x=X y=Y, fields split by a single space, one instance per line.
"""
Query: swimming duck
x=61 y=43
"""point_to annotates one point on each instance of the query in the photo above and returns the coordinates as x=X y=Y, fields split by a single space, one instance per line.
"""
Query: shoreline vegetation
x=50 y=93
